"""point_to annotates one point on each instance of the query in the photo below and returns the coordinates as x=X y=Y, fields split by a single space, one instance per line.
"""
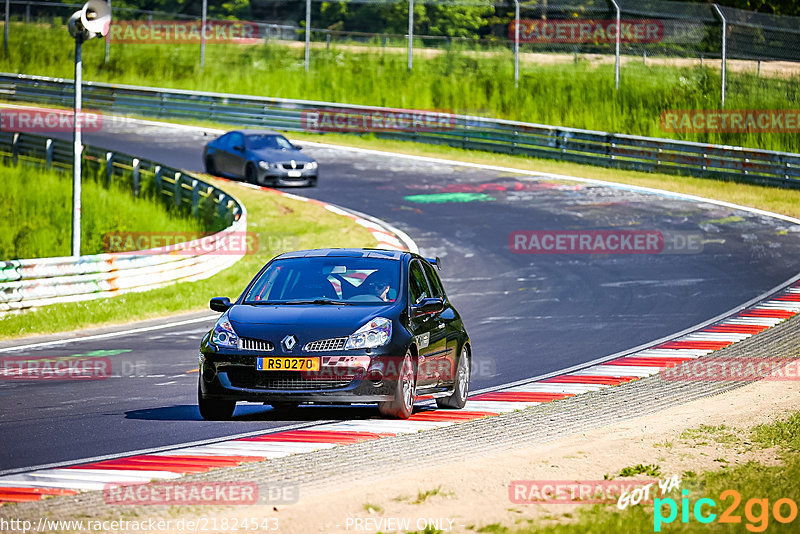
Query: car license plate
x=287 y=364
x=295 y=174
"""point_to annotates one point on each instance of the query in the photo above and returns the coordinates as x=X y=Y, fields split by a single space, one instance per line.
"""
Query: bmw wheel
x=461 y=388
x=214 y=410
x=402 y=405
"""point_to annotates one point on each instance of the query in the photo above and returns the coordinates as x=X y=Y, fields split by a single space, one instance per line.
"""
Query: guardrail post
x=176 y=189
x=135 y=173
x=48 y=154
x=158 y=180
x=195 y=197
x=15 y=148
x=109 y=168
x=223 y=205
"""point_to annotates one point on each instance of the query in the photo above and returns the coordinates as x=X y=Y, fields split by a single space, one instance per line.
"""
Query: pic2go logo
x=756 y=511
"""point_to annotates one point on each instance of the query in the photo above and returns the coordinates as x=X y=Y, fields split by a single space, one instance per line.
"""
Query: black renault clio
x=337 y=326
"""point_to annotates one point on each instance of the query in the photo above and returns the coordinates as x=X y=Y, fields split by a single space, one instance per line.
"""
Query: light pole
x=92 y=20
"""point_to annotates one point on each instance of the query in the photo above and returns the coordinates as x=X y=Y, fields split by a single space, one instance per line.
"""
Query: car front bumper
x=234 y=377
x=286 y=178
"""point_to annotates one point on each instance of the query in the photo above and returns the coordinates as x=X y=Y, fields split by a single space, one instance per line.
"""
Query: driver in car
x=380 y=286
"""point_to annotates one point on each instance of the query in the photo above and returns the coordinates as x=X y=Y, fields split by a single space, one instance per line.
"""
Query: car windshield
x=261 y=141
x=327 y=280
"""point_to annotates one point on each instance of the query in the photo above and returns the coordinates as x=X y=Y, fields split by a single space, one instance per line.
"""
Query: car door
x=235 y=155
x=447 y=327
x=430 y=338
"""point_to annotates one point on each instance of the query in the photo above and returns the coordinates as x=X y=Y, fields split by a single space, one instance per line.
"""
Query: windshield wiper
x=319 y=301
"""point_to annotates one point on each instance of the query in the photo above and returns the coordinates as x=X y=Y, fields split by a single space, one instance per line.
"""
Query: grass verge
x=281 y=224
x=758 y=487
x=580 y=95
x=35 y=206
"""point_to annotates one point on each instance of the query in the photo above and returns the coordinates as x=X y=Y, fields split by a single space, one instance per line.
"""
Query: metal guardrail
x=38 y=282
x=650 y=154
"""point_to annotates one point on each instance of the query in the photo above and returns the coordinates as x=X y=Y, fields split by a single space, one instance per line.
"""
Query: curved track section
x=527 y=314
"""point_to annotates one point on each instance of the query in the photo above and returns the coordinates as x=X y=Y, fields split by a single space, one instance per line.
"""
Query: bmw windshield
x=273 y=142
x=327 y=280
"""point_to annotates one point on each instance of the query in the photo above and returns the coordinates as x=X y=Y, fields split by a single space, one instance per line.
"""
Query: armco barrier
x=477 y=133
x=38 y=282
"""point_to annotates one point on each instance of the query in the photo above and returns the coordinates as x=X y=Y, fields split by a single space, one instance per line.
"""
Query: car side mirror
x=239 y=148
x=298 y=147
x=220 y=304
x=426 y=306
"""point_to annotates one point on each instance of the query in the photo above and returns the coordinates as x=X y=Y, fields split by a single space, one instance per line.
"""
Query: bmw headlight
x=375 y=333
x=264 y=165
x=311 y=166
x=224 y=335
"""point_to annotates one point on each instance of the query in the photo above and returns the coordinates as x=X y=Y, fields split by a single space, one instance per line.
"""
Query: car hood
x=307 y=322
x=279 y=156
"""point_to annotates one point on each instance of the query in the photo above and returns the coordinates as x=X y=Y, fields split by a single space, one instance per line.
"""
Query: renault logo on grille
x=289 y=342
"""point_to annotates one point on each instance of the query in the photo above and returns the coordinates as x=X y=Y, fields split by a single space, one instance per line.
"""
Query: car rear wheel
x=402 y=405
x=213 y=409
x=210 y=167
x=461 y=388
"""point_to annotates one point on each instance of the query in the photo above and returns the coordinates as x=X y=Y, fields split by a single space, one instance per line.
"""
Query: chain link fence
x=651 y=32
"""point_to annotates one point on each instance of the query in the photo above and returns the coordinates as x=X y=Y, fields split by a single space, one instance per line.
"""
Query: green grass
x=281 y=223
x=639 y=469
x=36 y=207
x=581 y=95
x=784 y=433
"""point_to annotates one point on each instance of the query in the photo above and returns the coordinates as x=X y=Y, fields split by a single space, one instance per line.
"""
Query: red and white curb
x=171 y=464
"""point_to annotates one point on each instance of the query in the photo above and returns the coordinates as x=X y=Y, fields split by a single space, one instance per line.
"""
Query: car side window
x=435 y=282
x=417 y=285
x=236 y=139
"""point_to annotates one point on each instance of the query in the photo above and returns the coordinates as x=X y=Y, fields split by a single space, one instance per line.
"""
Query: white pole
x=203 y=34
x=5 y=27
x=516 y=43
x=410 y=33
x=308 y=34
x=108 y=43
x=617 y=46
x=76 y=153
x=724 y=50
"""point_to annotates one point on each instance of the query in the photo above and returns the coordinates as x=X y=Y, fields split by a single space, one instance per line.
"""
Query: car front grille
x=255 y=344
x=283 y=380
x=297 y=166
x=322 y=345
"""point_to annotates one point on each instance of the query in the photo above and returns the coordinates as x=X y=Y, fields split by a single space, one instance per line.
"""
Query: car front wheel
x=250 y=173
x=461 y=388
x=402 y=405
x=214 y=410
x=210 y=167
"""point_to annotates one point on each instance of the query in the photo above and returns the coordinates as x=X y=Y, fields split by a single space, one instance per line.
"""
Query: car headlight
x=311 y=166
x=224 y=335
x=264 y=165
x=375 y=333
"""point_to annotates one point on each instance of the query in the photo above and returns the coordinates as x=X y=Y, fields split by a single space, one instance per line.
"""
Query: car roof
x=345 y=253
x=256 y=132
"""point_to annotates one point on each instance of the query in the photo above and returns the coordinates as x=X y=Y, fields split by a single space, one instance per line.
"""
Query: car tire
x=250 y=174
x=213 y=409
x=402 y=405
x=211 y=168
x=461 y=386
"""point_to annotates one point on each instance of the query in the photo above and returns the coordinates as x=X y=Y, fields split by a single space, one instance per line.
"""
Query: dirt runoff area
x=465 y=496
